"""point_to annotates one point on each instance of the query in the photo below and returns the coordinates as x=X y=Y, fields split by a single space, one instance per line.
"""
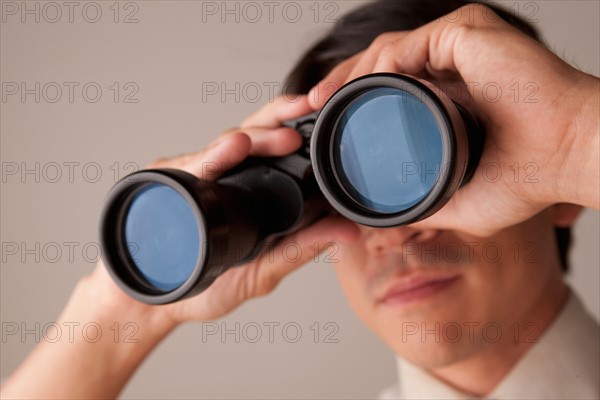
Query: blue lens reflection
x=162 y=236
x=388 y=150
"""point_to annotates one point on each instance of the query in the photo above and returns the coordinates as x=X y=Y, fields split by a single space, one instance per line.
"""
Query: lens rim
x=454 y=149
x=115 y=253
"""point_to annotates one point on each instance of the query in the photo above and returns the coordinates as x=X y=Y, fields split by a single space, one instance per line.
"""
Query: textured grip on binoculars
x=304 y=125
x=273 y=203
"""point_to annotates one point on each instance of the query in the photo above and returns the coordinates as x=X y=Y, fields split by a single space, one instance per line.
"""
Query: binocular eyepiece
x=385 y=150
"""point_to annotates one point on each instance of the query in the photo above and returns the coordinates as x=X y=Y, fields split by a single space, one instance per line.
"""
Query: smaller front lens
x=387 y=150
x=162 y=235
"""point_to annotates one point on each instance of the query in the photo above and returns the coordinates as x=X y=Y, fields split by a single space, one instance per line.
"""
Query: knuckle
x=478 y=8
x=265 y=285
x=462 y=30
x=387 y=51
x=383 y=38
x=476 y=14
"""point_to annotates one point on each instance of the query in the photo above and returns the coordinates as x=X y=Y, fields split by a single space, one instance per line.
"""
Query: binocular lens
x=387 y=150
x=390 y=149
x=162 y=236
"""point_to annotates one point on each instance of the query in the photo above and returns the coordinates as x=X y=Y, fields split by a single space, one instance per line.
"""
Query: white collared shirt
x=564 y=364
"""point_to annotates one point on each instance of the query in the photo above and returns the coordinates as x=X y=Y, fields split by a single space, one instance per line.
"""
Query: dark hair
x=356 y=30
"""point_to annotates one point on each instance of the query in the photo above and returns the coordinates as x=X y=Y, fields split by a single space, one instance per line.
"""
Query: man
x=472 y=300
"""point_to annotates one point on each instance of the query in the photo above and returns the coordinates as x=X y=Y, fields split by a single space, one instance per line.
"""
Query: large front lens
x=387 y=150
x=162 y=235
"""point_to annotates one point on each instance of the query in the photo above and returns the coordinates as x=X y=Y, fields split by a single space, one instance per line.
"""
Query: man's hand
x=541 y=115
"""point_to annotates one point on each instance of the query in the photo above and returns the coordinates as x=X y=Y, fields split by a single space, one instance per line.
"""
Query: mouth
x=416 y=288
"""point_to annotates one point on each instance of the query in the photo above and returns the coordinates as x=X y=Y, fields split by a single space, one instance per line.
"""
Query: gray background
x=168 y=54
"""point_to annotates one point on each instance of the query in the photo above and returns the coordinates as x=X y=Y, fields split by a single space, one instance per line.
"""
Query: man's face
x=437 y=297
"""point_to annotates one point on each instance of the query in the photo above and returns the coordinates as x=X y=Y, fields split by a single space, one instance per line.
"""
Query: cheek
x=498 y=281
x=352 y=273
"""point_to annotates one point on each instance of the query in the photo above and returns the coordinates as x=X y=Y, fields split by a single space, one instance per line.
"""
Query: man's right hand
x=261 y=134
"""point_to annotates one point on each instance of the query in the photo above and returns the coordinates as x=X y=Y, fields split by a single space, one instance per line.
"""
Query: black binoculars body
x=385 y=150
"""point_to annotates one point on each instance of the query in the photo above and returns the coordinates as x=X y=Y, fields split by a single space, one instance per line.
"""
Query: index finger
x=274 y=114
x=439 y=45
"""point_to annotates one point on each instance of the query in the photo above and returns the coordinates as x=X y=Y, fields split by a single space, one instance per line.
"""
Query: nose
x=382 y=241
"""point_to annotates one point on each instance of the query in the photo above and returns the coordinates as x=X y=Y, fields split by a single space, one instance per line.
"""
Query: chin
x=433 y=336
x=429 y=354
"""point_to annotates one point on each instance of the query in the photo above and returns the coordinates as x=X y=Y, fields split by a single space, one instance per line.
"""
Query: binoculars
x=385 y=150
